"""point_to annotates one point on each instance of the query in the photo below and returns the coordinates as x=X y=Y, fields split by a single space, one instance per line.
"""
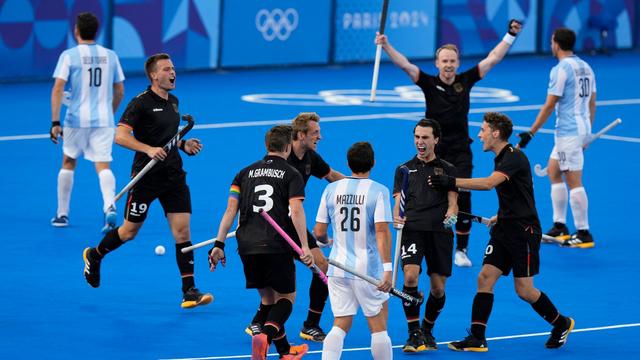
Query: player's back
x=575 y=84
x=90 y=71
x=353 y=206
x=267 y=184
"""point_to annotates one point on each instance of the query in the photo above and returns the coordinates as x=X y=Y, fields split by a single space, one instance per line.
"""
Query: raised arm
x=497 y=54
x=397 y=58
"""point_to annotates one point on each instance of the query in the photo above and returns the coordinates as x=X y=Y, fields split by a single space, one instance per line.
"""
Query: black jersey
x=310 y=164
x=266 y=184
x=449 y=105
x=425 y=207
x=154 y=122
x=515 y=195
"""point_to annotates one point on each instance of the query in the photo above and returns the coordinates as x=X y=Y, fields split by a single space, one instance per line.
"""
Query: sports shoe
x=253 y=329
x=193 y=297
x=558 y=230
x=259 y=347
x=429 y=340
x=60 y=221
x=312 y=333
x=461 y=259
x=560 y=334
x=91 y=268
x=110 y=218
x=296 y=352
x=470 y=343
x=415 y=343
x=582 y=239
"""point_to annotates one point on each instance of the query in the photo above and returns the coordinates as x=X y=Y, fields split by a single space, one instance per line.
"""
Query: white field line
x=414 y=115
x=497 y=338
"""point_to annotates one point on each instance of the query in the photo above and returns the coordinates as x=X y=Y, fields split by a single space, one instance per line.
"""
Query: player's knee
x=437 y=292
x=484 y=281
x=410 y=277
x=127 y=233
x=526 y=293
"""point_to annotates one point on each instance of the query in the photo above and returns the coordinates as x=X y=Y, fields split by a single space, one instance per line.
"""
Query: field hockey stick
x=487 y=221
x=395 y=292
x=541 y=172
x=403 y=198
x=205 y=243
x=292 y=243
x=376 y=63
x=173 y=142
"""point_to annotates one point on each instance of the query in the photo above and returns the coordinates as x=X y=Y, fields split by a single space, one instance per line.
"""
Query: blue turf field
x=48 y=311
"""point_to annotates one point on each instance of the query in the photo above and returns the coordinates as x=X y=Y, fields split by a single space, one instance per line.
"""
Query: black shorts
x=435 y=247
x=174 y=197
x=276 y=271
x=514 y=247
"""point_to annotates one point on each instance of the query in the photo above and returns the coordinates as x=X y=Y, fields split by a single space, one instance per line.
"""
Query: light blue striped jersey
x=353 y=206
x=574 y=82
x=90 y=70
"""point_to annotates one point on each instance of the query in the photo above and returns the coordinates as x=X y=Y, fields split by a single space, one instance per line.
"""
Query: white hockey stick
x=205 y=243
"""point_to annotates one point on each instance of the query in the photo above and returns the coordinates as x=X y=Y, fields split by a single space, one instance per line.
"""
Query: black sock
x=482 y=304
x=462 y=241
x=185 y=265
x=281 y=342
x=276 y=318
x=431 y=310
x=110 y=242
x=412 y=312
x=545 y=308
x=261 y=315
x=318 y=293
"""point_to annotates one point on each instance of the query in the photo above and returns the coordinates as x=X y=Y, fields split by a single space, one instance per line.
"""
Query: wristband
x=219 y=245
x=508 y=38
x=387 y=266
x=55 y=123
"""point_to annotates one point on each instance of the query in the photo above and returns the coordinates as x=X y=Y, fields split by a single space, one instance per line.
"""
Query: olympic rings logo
x=276 y=23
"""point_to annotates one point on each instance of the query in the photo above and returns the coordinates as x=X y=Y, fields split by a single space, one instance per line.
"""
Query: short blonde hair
x=301 y=122
x=451 y=47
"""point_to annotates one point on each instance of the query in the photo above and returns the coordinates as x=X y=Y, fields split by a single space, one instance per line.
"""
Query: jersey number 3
x=264 y=195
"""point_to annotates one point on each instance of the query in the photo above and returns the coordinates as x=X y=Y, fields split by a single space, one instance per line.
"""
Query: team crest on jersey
x=458 y=87
x=307 y=169
x=175 y=107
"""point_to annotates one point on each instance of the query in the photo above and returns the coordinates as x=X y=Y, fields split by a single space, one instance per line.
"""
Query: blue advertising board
x=275 y=32
x=587 y=18
x=411 y=28
x=476 y=27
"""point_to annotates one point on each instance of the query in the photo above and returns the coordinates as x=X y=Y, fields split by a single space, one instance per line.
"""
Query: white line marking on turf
x=415 y=115
x=599 y=328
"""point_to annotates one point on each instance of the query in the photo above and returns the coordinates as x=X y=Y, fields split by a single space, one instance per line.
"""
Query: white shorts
x=94 y=143
x=568 y=152
x=346 y=295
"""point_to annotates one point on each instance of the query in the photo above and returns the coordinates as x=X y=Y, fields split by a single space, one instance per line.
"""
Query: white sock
x=381 y=346
x=108 y=188
x=332 y=344
x=579 y=208
x=65 y=185
x=559 y=197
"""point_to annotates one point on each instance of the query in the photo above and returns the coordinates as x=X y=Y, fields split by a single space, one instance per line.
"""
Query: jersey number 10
x=95 y=77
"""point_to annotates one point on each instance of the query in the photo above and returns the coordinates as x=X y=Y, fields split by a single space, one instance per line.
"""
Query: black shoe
x=91 y=268
x=415 y=343
x=429 y=340
x=560 y=334
x=582 y=239
x=470 y=343
x=193 y=297
x=312 y=333
x=253 y=329
x=558 y=229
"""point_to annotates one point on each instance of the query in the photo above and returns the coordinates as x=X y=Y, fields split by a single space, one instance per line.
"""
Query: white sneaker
x=461 y=259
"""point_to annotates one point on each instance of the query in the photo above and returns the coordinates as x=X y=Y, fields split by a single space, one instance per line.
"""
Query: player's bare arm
x=216 y=254
x=383 y=239
x=118 y=94
x=125 y=138
x=497 y=54
x=57 y=92
x=397 y=58
x=300 y=223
